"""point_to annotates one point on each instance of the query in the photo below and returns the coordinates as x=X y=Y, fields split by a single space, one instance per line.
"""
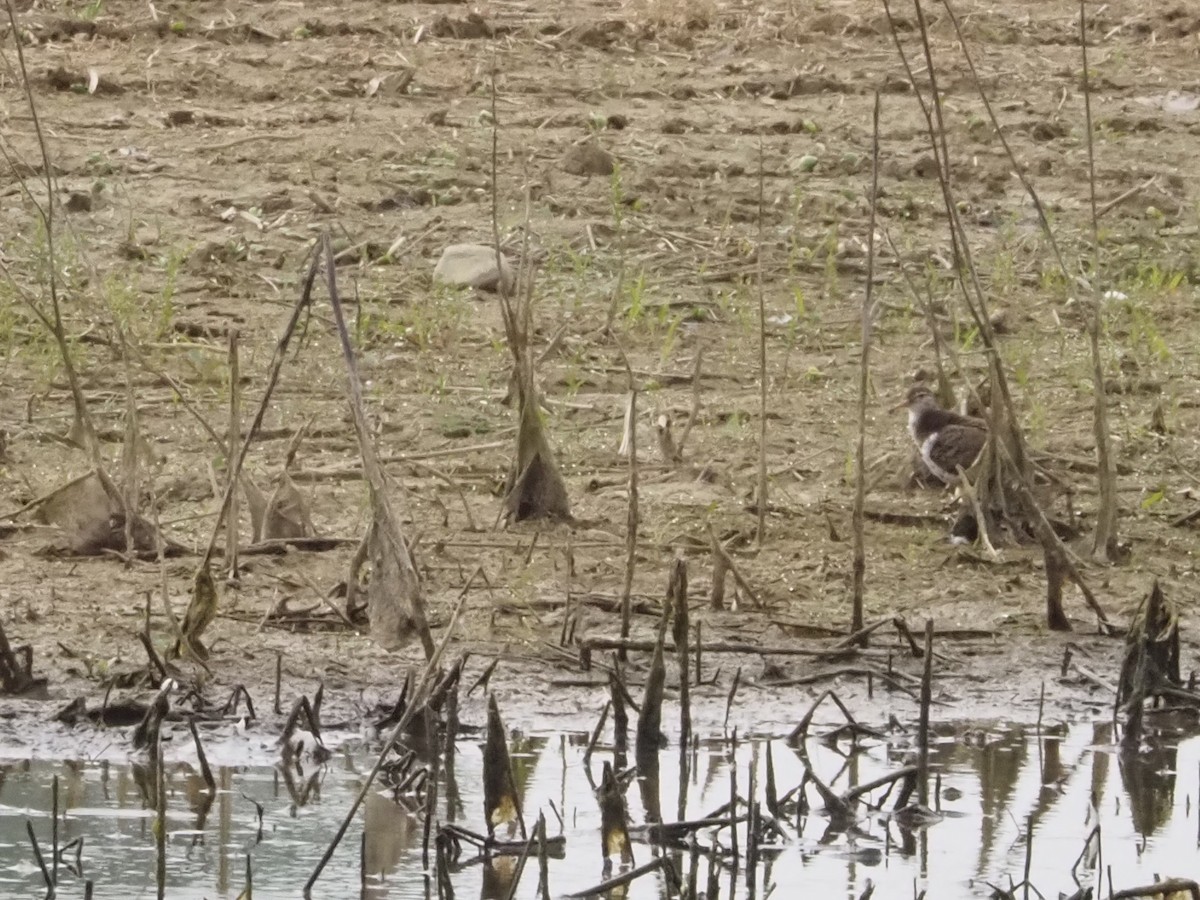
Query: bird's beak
x=898 y=406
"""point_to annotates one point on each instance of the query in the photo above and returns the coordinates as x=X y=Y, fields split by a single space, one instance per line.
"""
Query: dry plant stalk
x=1003 y=486
x=1105 y=545
x=534 y=488
x=394 y=582
x=235 y=427
x=762 y=363
x=864 y=375
x=83 y=431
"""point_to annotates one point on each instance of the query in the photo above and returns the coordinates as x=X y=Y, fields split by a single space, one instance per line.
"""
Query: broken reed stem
x=37 y=856
x=762 y=362
x=83 y=419
x=1104 y=544
x=419 y=696
x=864 y=375
x=205 y=771
x=277 y=360
x=376 y=481
x=923 y=722
x=235 y=419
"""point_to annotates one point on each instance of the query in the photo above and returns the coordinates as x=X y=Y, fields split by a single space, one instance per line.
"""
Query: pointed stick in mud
x=534 y=488
x=864 y=377
x=649 y=736
x=614 y=820
x=772 y=792
x=731 y=567
x=677 y=591
x=1150 y=667
x=235 y=427
x=501 y=802
x=620 y=715
x=733 y=689
x=720 y=567
x=923 y=722
x=391 y=562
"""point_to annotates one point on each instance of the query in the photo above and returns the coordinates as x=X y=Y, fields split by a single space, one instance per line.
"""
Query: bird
x=947 y=441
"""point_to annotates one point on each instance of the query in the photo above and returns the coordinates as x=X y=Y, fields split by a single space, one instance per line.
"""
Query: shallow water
x=993 y=781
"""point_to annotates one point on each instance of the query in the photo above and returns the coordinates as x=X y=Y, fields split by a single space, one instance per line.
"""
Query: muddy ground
x=199 y=151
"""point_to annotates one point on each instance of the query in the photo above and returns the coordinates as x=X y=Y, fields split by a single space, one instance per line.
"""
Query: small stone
x=473 y=265
x=588 y=159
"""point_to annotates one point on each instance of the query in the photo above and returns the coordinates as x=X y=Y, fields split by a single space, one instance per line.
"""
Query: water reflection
x=993 y=786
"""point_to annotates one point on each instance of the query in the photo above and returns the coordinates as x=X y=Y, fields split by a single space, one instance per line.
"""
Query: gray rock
x=473 y=265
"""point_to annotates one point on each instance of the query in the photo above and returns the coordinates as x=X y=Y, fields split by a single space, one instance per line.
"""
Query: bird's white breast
x=927 y=456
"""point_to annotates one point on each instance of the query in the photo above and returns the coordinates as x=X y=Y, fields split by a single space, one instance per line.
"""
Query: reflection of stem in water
x=1149 y=781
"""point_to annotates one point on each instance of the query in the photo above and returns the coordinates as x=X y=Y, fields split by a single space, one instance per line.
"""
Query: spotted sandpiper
x=947 y=441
